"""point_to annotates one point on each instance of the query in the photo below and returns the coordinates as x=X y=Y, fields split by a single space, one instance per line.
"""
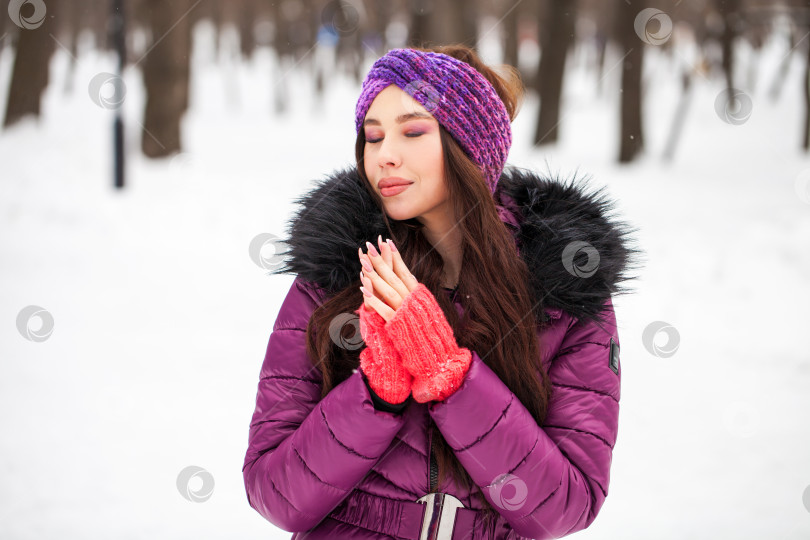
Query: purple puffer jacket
x=310 y=460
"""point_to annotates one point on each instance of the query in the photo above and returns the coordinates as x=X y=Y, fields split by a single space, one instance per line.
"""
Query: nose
x=388 y=155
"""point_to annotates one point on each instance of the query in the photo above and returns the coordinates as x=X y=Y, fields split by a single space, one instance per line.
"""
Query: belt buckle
x=440 y=514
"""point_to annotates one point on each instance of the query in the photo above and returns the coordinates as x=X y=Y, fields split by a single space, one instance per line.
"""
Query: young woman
x=483 y=399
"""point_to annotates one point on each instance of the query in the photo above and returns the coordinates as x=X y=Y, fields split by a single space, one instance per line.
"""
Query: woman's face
x=402 y=141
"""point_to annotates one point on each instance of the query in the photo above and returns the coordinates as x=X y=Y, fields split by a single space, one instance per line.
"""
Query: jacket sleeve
x=548 y=481
x=306 y=454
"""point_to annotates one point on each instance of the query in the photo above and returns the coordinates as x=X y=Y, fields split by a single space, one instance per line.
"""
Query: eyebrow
x=399 y=119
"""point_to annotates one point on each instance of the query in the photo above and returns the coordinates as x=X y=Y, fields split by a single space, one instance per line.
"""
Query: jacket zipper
x=434 y=468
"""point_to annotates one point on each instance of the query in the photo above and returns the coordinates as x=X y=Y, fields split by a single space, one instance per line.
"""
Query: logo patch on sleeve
x=614 y=356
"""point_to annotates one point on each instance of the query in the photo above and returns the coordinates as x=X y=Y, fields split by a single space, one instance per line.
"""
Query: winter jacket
x=311 y=461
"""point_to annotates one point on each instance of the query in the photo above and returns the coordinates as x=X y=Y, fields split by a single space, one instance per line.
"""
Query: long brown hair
x=498 y=321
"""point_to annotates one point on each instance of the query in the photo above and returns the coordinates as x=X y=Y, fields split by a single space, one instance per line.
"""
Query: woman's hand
x=386 y=279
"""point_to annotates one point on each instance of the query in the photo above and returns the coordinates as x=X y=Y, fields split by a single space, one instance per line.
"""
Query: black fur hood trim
x=546 y=216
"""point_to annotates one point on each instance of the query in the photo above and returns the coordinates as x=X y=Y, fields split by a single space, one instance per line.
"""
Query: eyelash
x=412 y=135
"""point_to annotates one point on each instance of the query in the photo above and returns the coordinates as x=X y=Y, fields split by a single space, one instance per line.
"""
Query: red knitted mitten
x=424 y=339
x=380 y=361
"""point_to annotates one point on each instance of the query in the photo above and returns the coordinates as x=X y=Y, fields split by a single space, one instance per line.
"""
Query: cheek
x=434 y=160
x=368 y=161
x=429 y=151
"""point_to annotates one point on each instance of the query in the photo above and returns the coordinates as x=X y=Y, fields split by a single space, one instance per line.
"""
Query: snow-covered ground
x=161 y=318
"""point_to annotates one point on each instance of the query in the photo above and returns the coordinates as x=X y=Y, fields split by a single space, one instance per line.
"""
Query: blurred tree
x=166 y=75
x=245 y=21
x=729 y=11
x=8 y=33
x=71 y=26
x=346 y=20
x=5 y=25
x=784 y=65
x=604 y=15
x=421 y=12
x=557 y=36
x=284 y=51
x=806 y=88
x=444 y=22
x=380 y=13
x=457 y=22
x=631 y=139
x=510 y=33
x=29 y=75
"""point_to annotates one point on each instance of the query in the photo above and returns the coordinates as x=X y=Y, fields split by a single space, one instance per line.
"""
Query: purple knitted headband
x=462 y=100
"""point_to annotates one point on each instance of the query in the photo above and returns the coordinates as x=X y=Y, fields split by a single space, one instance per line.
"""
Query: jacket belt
x=401 y=519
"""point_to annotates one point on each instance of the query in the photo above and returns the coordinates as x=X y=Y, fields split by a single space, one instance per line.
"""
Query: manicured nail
x=372 y=250
x=379 y=242
x=366 y=265
x=362 y=278
x=364 y=291
x=391 y=244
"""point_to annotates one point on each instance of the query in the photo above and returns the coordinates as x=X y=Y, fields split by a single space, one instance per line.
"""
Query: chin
x=399 y=212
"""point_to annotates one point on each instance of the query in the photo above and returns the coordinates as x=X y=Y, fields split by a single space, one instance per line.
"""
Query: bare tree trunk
x=631 y=136
x=728 y=9
x=213 y=10
x=5 y=26
x=379 y=13
x=29 y=75
x=680 y=116
x=784 y=68
x=421 y=12
x=71 y=27
x=605 y=13
x=806 y=84
x=510 y=34
x=461 y=23
x=557 y=36
x=284 y=52
x=245 y=21
x=349 y=47
x=166 y=76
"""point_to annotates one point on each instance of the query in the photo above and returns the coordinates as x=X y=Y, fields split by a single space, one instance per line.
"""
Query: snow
x=162 y=318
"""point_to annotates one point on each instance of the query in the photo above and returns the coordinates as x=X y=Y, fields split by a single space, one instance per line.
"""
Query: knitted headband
x=462 y=100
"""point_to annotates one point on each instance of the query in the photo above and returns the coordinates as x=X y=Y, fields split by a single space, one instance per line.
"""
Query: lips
x=393 y=182
x=394 y=190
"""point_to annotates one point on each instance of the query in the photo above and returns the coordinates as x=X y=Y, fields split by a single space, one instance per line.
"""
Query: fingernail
x=366 y=265
x=371 y=249
x=362 y=277
x=379 y=242
x=364 y=291
x=391 y=244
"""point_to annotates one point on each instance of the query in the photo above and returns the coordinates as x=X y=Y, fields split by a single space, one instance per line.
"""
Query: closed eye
x=412 y=135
